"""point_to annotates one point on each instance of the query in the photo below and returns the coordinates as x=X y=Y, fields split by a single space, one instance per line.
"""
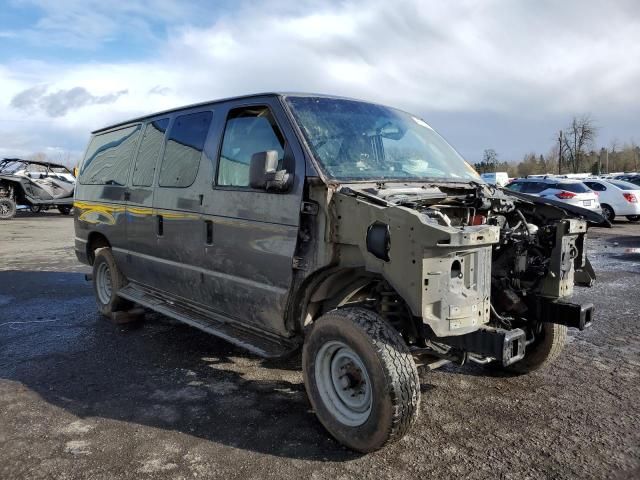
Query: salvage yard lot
x=82 y=398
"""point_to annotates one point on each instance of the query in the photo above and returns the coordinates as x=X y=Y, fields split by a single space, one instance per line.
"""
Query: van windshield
x=355 y=140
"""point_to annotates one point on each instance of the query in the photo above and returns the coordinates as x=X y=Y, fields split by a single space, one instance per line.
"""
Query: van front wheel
x=360 y=378
x=107 y=280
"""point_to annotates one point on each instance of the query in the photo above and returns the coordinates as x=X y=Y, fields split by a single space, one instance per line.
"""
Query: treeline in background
x=576 y=143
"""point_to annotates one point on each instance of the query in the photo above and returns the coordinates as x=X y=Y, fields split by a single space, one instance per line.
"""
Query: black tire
x=104 y=266
x=633 y=218
x=607 y=212
x=394 y=386
x=35 y=208
x=7 y=208
x=65 y=209
x=548 y=344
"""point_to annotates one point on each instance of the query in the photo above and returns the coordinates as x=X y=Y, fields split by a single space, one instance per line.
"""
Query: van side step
x=263 y=344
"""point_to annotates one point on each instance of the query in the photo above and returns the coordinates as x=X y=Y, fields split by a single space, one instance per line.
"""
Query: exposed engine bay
x=539 y=256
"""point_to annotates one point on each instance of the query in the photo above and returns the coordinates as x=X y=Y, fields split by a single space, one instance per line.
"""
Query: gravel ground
x=82 y=398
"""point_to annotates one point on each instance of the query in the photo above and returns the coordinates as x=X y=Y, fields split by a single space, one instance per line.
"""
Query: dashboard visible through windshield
x=355 y=140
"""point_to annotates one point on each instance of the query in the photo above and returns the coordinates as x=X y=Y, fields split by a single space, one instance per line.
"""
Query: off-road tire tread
x=398 y=364
x=13 y=212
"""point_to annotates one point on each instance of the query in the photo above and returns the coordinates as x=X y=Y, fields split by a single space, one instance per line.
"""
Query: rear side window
x=184 y=149
x=108 y=157
x=534 y=187
x=150 y=146
x=515 y=186
x=573 y=187
x=248 y=131
x=624 y=185
x=596 y=186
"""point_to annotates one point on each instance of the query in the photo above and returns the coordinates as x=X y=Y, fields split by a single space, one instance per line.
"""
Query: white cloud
x=519 y=60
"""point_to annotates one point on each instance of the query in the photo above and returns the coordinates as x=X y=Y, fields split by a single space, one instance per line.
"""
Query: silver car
x=572 y=192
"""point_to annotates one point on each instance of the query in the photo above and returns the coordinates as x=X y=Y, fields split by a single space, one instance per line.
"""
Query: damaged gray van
x=348 y=229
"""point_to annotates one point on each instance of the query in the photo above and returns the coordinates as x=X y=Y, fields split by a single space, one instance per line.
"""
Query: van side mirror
x=264 y=173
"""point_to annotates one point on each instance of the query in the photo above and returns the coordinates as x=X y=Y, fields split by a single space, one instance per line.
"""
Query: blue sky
x=502 y=74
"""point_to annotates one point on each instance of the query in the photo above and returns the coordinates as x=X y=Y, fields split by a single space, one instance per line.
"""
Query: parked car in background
x=499 y=179
x=566 y=190
x=36 y=185
x=617 y=198
x=631 y=178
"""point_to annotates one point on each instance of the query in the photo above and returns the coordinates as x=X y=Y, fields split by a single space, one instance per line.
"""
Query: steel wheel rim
x=343 y=383
x=103 y=283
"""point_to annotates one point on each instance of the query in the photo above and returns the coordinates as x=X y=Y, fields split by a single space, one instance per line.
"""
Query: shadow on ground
x=160 y=373
x=50 y=213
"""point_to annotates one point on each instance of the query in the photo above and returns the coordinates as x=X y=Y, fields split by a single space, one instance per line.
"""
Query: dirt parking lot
x=82 y=398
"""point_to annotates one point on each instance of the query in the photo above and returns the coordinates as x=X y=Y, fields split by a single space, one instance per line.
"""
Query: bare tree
x=580 y=135
x=490 y=157
x=614 y=144
x=62 y=157
x=38 y=157
x=65 y=158
x=551 y=159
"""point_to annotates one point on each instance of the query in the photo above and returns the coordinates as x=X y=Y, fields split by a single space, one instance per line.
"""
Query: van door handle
x=160 y=224
x=127 y=195
x=208 y=227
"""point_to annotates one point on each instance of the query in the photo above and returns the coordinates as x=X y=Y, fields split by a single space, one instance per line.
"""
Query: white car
x=572 y=192
x=499 y=179
x=617 y=198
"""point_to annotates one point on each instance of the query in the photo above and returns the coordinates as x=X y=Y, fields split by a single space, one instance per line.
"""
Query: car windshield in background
x=624 y=185
x=361 y=141
x=576 y=187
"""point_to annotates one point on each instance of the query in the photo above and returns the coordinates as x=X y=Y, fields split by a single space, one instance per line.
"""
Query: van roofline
x=221 y=100
x=227 y=99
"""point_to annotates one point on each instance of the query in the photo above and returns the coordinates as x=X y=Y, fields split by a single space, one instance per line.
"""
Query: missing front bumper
x=562 y=313
x=505 y=346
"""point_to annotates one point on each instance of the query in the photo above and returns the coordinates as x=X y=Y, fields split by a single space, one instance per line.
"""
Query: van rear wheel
x=360 y=378
x=107 y=280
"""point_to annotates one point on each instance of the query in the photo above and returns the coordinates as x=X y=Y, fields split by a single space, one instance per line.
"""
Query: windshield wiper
x=359 y=193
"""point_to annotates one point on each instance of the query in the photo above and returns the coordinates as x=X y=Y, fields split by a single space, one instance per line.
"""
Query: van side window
x=109 y=156
x=184 y=149
x=150 y=146
x=248 y=131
